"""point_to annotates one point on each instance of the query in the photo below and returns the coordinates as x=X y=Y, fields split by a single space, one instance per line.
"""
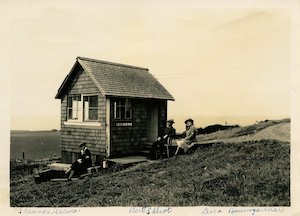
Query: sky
x=222 y=62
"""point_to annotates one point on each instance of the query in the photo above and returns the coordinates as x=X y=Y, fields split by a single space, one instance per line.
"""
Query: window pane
x=128 y=114
x=117 y=112
x=90 y=105
x=123 y=103
x=72 y=106
x=69 y=102
x=77 y=98
x=127 y=103
x=70 y=114
x=75 y=109
x=122 y=112
x=86 y=109
x=93 y=114
x=93 y=101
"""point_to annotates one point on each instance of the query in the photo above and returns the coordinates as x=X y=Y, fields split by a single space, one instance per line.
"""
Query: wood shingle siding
x=129 y=139
x=73 y=135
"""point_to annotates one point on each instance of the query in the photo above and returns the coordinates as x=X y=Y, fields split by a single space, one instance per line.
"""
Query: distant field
x=35 y=144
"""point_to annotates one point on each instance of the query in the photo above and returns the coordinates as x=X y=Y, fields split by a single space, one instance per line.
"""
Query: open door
x=152 y=122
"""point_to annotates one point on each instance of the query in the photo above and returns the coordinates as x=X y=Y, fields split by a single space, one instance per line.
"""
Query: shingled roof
x=113 y=79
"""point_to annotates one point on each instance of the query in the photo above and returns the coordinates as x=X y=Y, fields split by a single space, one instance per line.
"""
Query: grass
x=248 y=174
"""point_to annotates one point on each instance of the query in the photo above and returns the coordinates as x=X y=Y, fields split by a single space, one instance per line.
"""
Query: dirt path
x=279 y=132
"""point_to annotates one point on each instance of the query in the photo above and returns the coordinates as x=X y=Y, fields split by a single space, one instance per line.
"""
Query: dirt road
x=279 y=132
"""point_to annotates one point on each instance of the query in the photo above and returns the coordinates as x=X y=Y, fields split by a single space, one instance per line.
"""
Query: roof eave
x=59 y=91
x=140 y=97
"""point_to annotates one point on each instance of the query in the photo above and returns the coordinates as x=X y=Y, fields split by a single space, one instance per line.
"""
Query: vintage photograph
x=149 y=104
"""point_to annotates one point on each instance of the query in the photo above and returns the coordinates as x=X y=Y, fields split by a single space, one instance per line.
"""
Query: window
x=90 y=108
x=73 y=104
x=123 y=109
x=82 y=108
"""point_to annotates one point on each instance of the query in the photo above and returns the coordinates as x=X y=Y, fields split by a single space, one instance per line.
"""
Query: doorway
x=152 y=122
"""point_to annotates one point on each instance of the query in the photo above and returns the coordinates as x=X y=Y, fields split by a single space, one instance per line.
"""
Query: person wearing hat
x=80 y=166
x=190 y=136
x=169 y=132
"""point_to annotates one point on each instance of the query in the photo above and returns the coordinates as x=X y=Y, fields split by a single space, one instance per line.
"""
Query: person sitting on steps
x=169 y=132
x=190 y=137
x=80 y=166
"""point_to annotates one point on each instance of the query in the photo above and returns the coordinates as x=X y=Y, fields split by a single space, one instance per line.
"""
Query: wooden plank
x=85 y=175
x=129 y=160
x=59 y=166
x=63 y=179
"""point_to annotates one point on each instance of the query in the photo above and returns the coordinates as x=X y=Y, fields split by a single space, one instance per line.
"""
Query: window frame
x=81 y=109
x=94 y=107
x=72 y=108
x=118 y=106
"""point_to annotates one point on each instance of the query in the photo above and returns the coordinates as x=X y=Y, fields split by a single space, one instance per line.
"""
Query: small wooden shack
x=115 y=108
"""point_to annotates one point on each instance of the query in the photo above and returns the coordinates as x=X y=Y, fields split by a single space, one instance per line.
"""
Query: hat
x=171 y=121
x=189 y=119
x=82 y=144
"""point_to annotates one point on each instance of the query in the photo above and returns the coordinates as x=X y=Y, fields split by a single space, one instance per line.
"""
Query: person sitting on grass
x=169 y=132
x=190 y=137
x=80 y=166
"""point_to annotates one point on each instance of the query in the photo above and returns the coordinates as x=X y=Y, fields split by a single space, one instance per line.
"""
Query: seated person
x=80 y=166
x=190 y=136
x=162 y=140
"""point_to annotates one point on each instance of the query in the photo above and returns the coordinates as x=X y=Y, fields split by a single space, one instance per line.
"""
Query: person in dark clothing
x=80 y=166
x=169 y=132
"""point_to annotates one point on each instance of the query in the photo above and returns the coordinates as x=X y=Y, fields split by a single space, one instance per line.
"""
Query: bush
x=214 y=128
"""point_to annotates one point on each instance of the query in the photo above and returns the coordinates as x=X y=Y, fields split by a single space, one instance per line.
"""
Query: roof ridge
x=111 y=63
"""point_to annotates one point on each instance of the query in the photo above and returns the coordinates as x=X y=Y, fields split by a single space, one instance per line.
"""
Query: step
x=94 y=169
x=59 y=166
x=149 y=145
x=145 y=152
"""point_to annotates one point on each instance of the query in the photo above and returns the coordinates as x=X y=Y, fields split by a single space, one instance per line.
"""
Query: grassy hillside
x=255 y=173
